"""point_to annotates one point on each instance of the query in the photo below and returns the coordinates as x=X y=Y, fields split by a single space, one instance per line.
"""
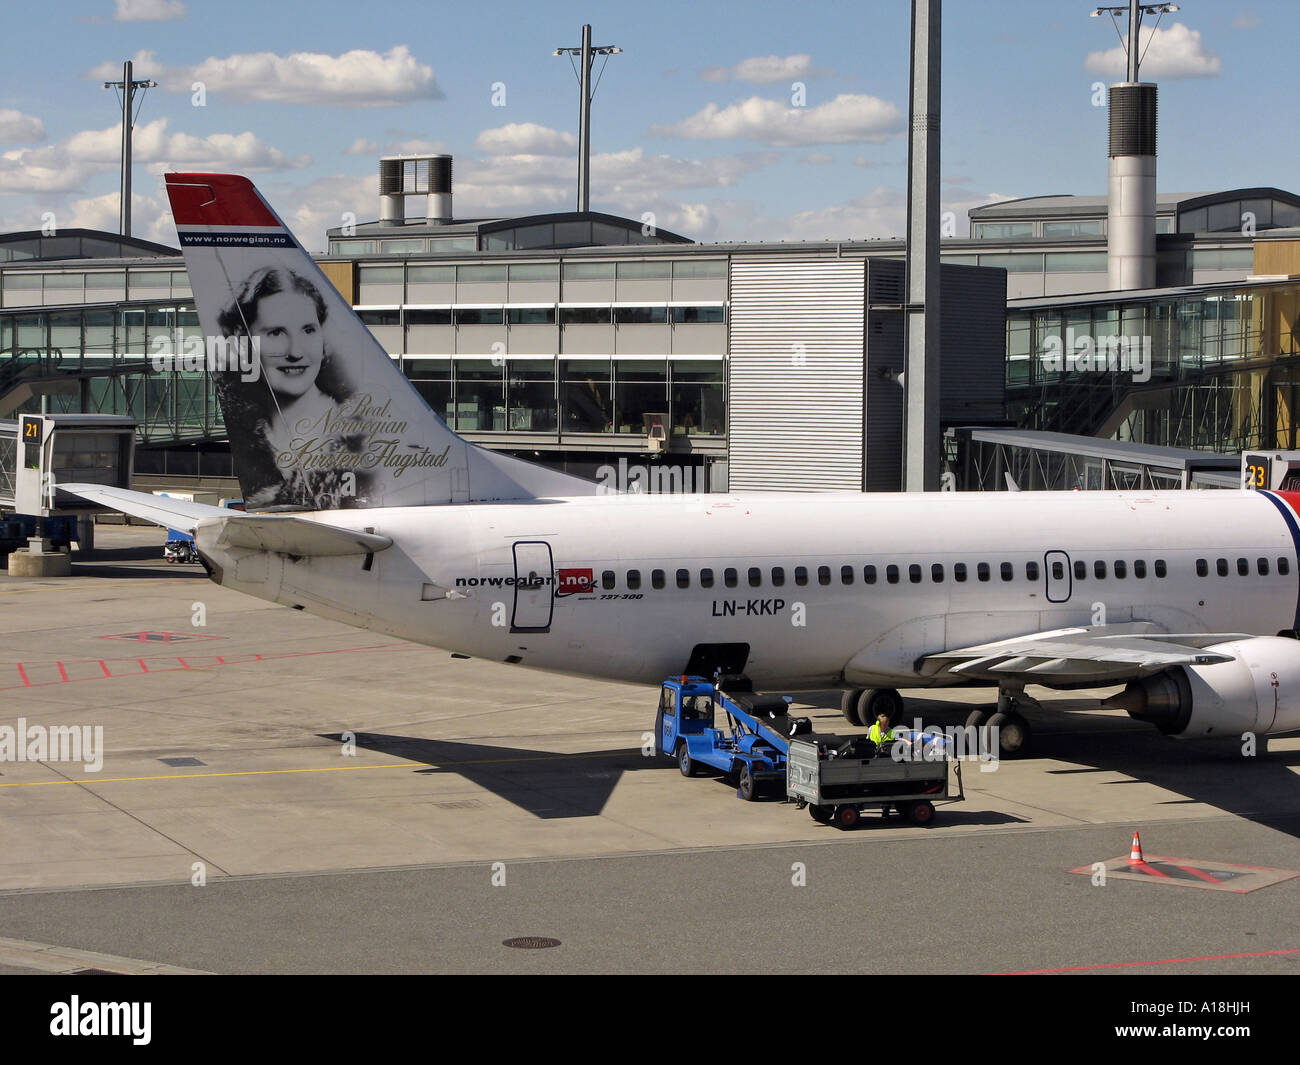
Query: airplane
x=366 y=509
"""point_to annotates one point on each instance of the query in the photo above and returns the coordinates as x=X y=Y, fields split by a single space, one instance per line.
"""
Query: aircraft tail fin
x=319 y=415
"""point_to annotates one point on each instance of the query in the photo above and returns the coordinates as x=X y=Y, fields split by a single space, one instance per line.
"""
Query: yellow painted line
x=323 y=769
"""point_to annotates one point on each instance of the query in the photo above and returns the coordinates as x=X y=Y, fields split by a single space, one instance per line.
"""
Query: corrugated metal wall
x=795 y=392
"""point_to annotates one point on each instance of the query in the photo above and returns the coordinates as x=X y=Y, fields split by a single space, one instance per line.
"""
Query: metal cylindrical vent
x=1132 y=119
x=390 y=177
x=440 y=174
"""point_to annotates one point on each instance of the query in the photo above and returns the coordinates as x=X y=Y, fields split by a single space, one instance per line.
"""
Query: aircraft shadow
x=546 y=784
x=1263 y=788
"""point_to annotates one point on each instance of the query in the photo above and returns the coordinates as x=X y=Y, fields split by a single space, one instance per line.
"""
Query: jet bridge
x=38 y=452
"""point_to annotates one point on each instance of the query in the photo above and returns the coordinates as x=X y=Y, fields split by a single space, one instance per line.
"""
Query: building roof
x=34 y=244
x=1059 y=206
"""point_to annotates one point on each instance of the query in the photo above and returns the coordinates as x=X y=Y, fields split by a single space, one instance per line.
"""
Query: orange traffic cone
x=1135 y=855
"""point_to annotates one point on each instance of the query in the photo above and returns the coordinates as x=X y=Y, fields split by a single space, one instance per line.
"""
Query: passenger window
x=869 y=574
x=633 y=579
x=1080 y=569
x=1283 y=567
x=1221 y=567
x=1058 y=571
x=982 y=571
x=914 y=573
x=823 y=575
x=683 y=578
x=656 y=578
x=607 y=580
x=755 y=576
x=891 y=574
x=1031 y=570
x=1007 y=571
x=1161 y=570
x=778 y=577
x=959 y=572
x=1243 y=567
x=846 y=574
x=1099 y=568
x=1121 y=569
x=1262 y=564
x=729 y=578
x=706 y=578
x=936 y=573
x=801 y=575
x=1139 y=568
x=1202 y=568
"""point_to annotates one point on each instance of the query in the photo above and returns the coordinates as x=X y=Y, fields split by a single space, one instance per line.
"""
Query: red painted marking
x=1144 y=867
x=184 y=664
x=1292 y=499
x=1197 y=873
x=23 y=673
x=1158 y=961
x=217 y=200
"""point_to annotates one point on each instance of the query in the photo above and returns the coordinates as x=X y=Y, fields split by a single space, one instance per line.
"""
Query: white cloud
x=1174 y=52
x=151 y=217
x=847 y=119
x=322 y=205
x=414 y=146
x=148 y=10
x=525 y=138
x=360 y=78
x=18 y=128
x=817 y=158
x=69 y=164
x=361 y=146
x=766 y=70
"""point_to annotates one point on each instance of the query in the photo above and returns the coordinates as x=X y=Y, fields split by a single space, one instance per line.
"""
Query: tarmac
x=282 y=794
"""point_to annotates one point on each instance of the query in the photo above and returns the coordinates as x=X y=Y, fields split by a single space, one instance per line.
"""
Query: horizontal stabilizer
x=282 y=534
x=286 y=535
x=162 y=510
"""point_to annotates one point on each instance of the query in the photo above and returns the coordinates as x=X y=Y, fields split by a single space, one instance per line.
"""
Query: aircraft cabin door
x=1056 y=571
x=534 y=587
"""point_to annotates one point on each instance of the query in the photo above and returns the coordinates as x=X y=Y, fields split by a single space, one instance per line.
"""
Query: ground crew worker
x=881 y=732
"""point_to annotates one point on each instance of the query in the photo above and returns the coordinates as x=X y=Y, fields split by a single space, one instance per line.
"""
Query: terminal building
x=597 y=344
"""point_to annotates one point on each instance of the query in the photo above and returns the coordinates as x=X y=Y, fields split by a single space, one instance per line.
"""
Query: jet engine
x=1258 y=692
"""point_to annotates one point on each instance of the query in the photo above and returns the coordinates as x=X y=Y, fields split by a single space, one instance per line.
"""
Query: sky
x=727 y=120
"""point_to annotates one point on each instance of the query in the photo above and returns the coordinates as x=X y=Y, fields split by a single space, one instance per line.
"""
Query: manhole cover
x=531 y=942
x=92 y=972
x=181 y=761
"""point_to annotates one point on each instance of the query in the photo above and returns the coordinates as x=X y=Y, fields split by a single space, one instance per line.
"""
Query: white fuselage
x=508 y=582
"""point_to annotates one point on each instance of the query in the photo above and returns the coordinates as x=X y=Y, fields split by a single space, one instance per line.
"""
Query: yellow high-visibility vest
x=876 y=737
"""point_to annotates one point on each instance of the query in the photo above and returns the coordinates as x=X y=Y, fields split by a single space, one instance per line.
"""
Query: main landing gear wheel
x=875 y=700
x=847 y=816
x=976 y=720
x=849 y=706
x=748 y=785
x=821 y=814
x=1014 y=737
x=684 y=760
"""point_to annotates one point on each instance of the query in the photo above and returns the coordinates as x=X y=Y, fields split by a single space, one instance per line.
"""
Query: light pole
x=128 y=88
x=1135 y=12
x=587 y=53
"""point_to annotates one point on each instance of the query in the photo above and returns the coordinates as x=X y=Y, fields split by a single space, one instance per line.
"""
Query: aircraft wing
x=1097 y=655
x=283 y=534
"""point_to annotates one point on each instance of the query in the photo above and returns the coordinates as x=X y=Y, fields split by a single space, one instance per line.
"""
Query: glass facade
x=582 y=395
x=1214 y=370
x=97 y=361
